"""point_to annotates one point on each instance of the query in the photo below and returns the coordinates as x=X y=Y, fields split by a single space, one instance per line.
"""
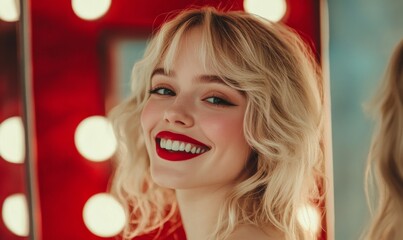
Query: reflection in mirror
x=363 y=35
x=82 y=67
x=384 y=185
x=124 y=53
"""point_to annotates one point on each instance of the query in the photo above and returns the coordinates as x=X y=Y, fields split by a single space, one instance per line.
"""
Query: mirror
x=13 y=197
x=80 y=68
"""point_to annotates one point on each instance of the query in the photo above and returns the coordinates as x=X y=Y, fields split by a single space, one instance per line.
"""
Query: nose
x=179 y=114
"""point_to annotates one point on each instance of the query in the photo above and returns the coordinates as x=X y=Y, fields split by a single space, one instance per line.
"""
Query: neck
x=199 y=210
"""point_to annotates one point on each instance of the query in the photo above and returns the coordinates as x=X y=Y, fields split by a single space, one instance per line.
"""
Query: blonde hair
x=268 y=63
x=385 y=160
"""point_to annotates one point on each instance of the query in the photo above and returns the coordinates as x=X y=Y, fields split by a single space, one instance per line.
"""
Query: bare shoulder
x=249 y=231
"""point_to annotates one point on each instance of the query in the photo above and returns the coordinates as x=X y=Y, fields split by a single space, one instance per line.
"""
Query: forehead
x=190 y=42
x=215 y=57
x=203 y=78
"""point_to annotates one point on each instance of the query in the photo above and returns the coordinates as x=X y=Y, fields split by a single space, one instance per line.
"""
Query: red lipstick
x=171 y=155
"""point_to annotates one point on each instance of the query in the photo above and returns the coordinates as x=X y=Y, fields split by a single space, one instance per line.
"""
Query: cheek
x=232 y=149
x=226 y=128
x=149 y=116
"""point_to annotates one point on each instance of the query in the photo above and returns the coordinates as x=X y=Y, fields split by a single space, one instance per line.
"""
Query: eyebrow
x=201 y=78
x=160 y=71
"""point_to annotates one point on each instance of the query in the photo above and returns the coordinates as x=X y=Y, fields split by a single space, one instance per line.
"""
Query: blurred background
x=362 y=37
x=54 y=177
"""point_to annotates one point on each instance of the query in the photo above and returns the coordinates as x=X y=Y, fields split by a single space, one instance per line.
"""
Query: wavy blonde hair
x=269 y=63
x=385 y=160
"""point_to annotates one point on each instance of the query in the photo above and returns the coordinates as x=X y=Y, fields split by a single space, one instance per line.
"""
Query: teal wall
x=362 y=36
x=128 y=52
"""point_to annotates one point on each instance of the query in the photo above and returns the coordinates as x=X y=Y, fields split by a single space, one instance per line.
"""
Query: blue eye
x=218 y=101
x=162 y=91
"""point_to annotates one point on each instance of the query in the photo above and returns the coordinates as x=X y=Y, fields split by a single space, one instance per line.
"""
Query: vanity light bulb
x=90 y=9
x=12 y=145
x=94 y=139
x=15 y=214
x=273 y=10
x=9 y=10
x=103 y=215
x=309 y=218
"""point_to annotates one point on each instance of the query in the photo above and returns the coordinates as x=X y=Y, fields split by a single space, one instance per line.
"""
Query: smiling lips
x=177 y=147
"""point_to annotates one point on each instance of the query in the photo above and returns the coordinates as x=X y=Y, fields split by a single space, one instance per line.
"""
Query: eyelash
x=157 y=89
x=221 y=101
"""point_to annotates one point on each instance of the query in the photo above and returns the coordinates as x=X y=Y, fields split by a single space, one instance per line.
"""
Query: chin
x=172 y=184
x=169 y=179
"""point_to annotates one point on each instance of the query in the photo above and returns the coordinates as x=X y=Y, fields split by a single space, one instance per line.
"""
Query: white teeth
x=162 y=143
x=168 y=144
x=187 y=148
x=175 y=146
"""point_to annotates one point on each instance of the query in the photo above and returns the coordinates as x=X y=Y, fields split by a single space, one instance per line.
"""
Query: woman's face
x=193 y=124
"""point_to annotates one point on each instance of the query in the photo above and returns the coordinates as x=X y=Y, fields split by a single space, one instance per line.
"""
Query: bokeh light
x=9 y=10
x=309 y=218
x=94 y=139
x=15 y=214
x=12 y=145
x=273 y=10
x=90 y=9
x=103 y=215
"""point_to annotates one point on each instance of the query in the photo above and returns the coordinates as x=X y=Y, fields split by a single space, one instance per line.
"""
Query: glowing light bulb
x=12 y=146
x=94 y=139
x=9 y=10
x=15 y=214
x=103 y=215
x=90 y=9
x=273 y=10
x=309 y=218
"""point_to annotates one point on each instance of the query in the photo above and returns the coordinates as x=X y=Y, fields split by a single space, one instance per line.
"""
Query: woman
x=385 y=160
x=222 y=130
